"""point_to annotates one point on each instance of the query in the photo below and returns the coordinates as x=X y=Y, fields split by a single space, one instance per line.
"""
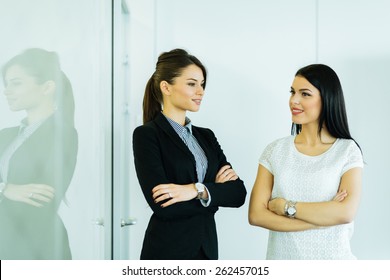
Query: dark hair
x=333 y=112
x=169 y=66
x=45 y=66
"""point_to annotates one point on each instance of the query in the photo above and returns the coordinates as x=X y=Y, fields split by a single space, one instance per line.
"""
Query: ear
x=165 y=88
x=49 y=88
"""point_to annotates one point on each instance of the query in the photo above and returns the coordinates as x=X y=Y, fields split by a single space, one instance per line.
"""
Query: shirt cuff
x=207 y=202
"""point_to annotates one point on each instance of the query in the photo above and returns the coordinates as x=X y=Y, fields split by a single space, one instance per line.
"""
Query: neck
x=38 y=115
x=309 y=136
x=178 y=116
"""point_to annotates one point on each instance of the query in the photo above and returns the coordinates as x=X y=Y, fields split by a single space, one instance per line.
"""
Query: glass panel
x=55 y=129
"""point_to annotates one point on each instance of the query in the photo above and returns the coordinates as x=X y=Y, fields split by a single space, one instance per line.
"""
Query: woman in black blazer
x=181 y=168
x=37 y=158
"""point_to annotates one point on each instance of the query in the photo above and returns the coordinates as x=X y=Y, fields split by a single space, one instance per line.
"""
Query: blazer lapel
x=163 y=123
x=208 y=150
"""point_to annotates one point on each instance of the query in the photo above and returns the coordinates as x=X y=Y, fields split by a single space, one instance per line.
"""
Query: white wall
x=252 y=50
x=353 y=38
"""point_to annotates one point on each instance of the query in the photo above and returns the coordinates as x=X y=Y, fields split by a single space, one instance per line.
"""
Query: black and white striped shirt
x=185 y=133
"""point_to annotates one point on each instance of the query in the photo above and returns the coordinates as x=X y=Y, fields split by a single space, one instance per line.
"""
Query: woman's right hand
x=32 y=194
x=226 y=173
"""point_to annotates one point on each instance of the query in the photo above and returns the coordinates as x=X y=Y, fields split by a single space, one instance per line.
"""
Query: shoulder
x=280 y=143
x=275 y=148
x=348 y=146
x=145 y=130
x=348 y=152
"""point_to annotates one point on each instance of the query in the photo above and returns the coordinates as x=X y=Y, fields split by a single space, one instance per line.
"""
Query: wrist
x=2 y=190
x=290 y=209
x=201 y=191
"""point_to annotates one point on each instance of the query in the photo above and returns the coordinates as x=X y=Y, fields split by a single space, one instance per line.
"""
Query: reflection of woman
x=181 y=168
x=37 y=158
x=308 y=185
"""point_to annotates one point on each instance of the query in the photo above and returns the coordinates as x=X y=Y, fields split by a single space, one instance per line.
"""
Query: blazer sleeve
x=230 y=193
x=149 y=166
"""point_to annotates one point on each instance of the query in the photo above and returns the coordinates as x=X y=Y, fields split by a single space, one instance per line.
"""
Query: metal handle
x=98 y=222
x=128 y=222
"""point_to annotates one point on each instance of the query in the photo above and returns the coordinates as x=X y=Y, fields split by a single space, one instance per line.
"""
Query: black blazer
x=48 y=156
x=181 y=230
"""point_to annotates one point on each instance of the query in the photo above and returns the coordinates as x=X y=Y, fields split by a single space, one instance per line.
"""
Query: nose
x=6 y=91
x=295 y=99
x=200 y=90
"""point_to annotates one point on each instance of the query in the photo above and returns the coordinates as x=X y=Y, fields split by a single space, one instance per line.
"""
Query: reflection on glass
x=37 y=158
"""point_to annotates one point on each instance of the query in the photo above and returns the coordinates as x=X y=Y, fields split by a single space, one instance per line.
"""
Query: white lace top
x=304 y=178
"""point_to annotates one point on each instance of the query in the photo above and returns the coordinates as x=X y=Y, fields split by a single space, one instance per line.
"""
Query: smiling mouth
x=197 y=101
x=10 y=99
x=296 y=111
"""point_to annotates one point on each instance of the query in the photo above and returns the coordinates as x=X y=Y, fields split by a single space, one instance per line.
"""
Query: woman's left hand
x=173 y=193
x=226 y=173
x=33 y=194
x=276 y=205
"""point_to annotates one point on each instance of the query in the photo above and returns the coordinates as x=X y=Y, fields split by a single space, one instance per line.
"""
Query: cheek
x=313 y=104
x=316 y=108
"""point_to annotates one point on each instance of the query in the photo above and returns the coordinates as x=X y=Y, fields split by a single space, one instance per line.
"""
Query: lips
x=11 y=99
x=197 y=101
x=296 y=111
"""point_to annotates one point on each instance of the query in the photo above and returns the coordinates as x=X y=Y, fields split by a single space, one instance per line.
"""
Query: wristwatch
x=200 y=189
x=289 y=209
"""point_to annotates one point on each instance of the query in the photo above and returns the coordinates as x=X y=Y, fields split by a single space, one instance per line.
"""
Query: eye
x=306 y=94
x=191 y=84
x=292 y=92
x=13 y=83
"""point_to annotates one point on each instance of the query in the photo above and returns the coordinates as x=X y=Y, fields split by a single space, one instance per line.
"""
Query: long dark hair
x=333 y=112
x=169 y=66
x=44 y=66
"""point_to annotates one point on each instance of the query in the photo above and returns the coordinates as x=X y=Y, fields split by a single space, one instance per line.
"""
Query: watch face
x=199 y=187
x=291 y=211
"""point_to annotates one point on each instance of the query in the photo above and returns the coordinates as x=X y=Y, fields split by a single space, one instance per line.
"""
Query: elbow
x=253 y=219
x=346 y=219
x=240 y=197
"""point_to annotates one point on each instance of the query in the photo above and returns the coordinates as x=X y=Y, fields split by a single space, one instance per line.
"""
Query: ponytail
x=152 y=101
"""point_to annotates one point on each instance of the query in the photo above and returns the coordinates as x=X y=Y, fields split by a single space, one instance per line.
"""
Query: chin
x=15 y=108
x=194 y=109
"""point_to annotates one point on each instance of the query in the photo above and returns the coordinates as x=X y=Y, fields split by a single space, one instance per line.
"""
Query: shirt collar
x=27 y=129
x=178 y=127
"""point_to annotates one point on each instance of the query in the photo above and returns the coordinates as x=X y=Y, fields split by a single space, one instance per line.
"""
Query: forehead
x=300 y=84
x=16 y=71
x=192 y=72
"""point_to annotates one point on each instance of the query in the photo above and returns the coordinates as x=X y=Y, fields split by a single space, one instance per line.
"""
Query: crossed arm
x=177 y=193
x=269 y=214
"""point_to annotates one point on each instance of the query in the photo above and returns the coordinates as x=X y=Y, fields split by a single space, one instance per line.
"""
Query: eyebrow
x=13 y=79
x=193 y=79
x=302 y=89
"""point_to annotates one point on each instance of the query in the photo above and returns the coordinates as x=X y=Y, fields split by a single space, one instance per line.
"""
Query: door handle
x=98 y=222
x=128 y=222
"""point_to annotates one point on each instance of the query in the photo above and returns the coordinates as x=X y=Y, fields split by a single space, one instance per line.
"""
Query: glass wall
x=56 y=127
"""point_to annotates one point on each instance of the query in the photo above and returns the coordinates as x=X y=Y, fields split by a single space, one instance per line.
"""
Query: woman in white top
x=308 y=185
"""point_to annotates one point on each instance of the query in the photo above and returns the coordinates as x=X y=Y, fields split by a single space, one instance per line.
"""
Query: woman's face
x=187 y=91
x=305 y=102
x=21 y=89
